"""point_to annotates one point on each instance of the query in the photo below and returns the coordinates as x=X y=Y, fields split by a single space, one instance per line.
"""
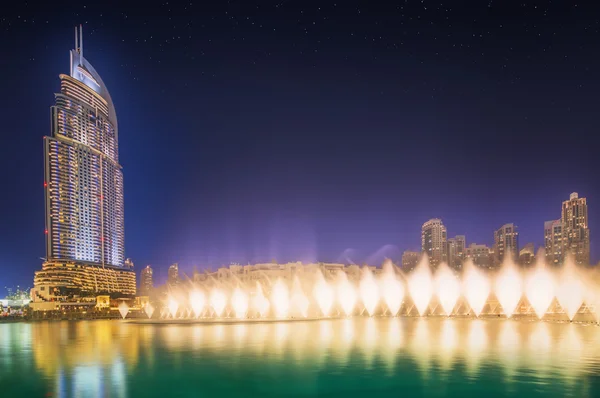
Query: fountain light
x=280 y=299
x=369 y=291
x=149 y=310
x=508 y=288
x=218 y=301
x=323 y=294
x=197 y=302
x=123 y=309
x=540 y=289
x=391 y=289
x=260 y=304
x=570 y=291
x=299 y=300
x=420 y=286
x=346 y=294
x=173 y=306
x=239 y=302
x=447 y=288
x=476 y=288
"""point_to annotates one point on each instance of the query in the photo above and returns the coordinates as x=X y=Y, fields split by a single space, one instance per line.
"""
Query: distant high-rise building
x=410 y=259
x=481 y=255
x=173 y=279
x=554 y=241
x=574 y=217
x=527 y=254
x=433 y=241
x=147 y=281
x=456 y=251
x=506 y=242
x=83 y=186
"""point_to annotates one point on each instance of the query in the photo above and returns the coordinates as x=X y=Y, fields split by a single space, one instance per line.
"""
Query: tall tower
x=83 y=177
x=83 y=189
x=506 y=242
x=147 y=283
x=576 y=234
x=554 y=241
x=433 y=241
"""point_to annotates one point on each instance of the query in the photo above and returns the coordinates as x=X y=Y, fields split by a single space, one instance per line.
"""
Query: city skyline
x=235 y=154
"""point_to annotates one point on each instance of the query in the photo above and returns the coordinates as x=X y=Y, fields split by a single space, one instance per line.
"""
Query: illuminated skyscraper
x=147 y=283
x=83 y=181
x=433 y=241
x=576 y=234
x=173 y=279
x=506 y=242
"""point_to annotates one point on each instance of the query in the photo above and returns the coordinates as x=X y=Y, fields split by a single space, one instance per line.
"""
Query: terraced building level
x=83 y=186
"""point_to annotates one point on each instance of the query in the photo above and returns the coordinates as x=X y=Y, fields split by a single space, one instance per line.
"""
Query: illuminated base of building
x=69 y=282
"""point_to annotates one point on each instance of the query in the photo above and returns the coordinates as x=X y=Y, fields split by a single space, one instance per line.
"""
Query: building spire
x=76 y=39
x=81 y=39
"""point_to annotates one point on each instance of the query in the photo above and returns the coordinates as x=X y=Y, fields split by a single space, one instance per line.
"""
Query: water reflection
x=89 y=359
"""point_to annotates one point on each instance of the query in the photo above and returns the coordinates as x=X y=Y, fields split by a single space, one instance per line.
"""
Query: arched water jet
x=540 y=288
x=476 y=288
x=369 y=291
x=447 y=288
x=392 y=290
x=508 y=287
x=323 y=294
x=346 y=294
x=420 y=286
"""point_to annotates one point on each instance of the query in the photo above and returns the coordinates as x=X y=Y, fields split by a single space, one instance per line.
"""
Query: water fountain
x=311 y=294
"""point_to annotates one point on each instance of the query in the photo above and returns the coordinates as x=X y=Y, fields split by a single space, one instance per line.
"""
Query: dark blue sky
x=297 y=130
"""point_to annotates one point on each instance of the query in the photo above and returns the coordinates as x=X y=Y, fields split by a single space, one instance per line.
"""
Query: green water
x=361 y=357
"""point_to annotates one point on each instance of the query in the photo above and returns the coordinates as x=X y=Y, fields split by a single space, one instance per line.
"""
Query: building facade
x=434 y=241
x=574 y=217
x=173 y=277
x=527 y=255
x=410 y=259
x=481 y=255
x=456 y=251
x=147 y=281
x=506 y=242
x=554 y=242
x=83 y=180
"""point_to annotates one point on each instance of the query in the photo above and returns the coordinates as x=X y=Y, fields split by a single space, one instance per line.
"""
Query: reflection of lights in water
x=570 y=350
x=508 y=288
x=369 y=291
x=476 y=288
x=448 y=343
x=391 y=289
x=280 y=300
x=346 y=294
x=420 y=287
x=371 y=337
x=323 y=294
x=447 y=288
x=390 y=350
x=239 y=302
x=421 y=346
x=508 y=347
x=197 y=302
x=539 y=289
x=197 y=332
x=218 y=301
x=540 y=341
x=477 y=342
x=87 y=381
x=570 y=291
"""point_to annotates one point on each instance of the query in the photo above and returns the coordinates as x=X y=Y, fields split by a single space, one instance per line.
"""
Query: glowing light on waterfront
x=476 y=288
x=346 y=294
x=239 y=303
x=172 y=306
x=570 y=291
x=123 y=309
x=280 y=299
x=508 y=288
x=391 y=288
x=540 y=289
x=420 y=286
x=218 y=301
x=447 y=288
x=369 y=291
x=149 y=310
x=197 y=302
x=323 y=294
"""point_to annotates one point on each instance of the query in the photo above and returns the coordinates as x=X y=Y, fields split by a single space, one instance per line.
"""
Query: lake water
x=360 y=357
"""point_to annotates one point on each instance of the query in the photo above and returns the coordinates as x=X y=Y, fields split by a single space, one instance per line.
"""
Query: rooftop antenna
x=81 y=39
x=76 y=40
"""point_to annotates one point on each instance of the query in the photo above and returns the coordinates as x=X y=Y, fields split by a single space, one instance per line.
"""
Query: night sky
x=301 y=130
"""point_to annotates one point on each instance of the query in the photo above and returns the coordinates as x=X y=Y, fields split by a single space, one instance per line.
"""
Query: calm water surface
x=373 y=357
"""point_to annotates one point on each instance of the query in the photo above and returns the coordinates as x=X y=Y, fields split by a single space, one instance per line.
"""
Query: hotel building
x=433 y=241
x=83 y=186
x=506 y=242
x=570 y=235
